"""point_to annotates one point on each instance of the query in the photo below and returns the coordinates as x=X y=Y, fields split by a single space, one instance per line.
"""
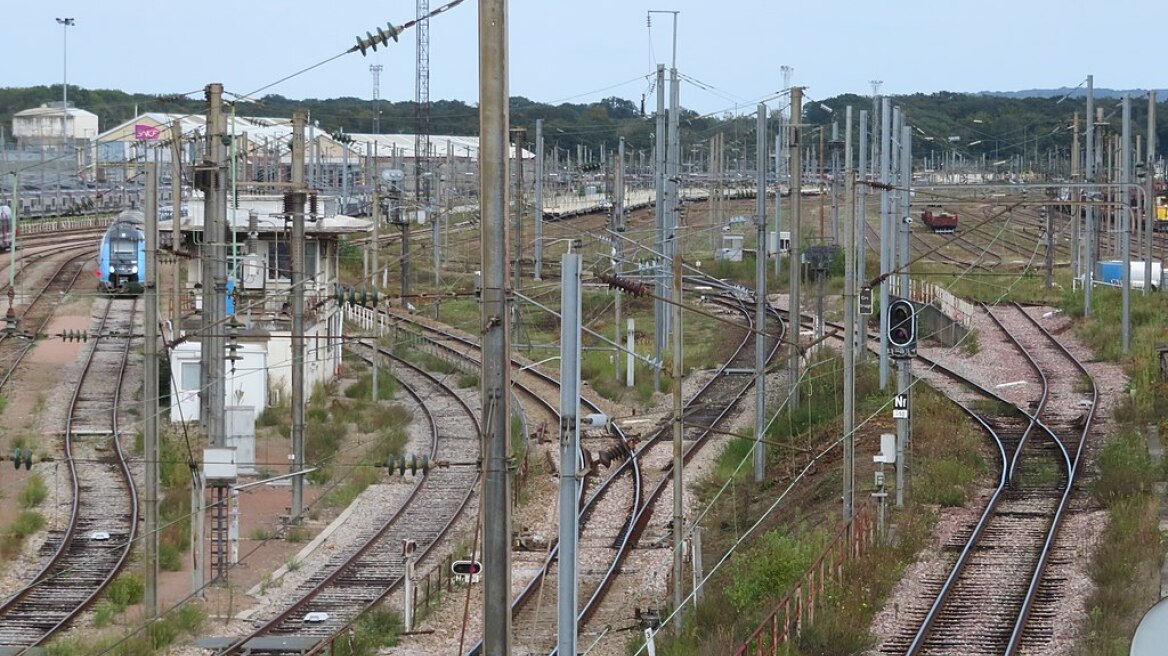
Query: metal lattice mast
x=422 y=126
x=375 y=69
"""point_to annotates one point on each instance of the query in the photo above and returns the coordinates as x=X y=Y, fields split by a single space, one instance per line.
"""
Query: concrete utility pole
x=495 y=327
x=150 y=394
x=298 y=197
x=205 y=180
x=849 y=418
x=861 y=228
x=793 y=315
x=405 y=222
x=904 y=365
x=660 y=308
x=1149 y=191
x=678 y=461
x=215 y=267
x=1048 y=240
x=885 y=233
x=176 y=222
x=760 y=296
x=520 y=137
x=539 y=199
x=567 y=581
x=618 y=225
x=1125 y=211
x=374 y=273
x=1076 y=251
x=1089 y=175
x=673 y=161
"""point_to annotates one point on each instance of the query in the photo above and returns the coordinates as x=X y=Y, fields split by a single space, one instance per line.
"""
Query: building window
x=280 y=260
x=190 y=376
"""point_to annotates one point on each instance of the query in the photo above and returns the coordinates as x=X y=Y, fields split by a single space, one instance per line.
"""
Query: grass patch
x=25 y=524
x=295 y=535
x=34 y=492
x=125 y=591
x=1128 y=555
x=773 y=563
x=431 y=362
x=374 y=630
x=152 y=638
x=363 y=387
x=169 y=558
x=948 y=457
x=841 y=625
x=262 y=534
x=391 y=440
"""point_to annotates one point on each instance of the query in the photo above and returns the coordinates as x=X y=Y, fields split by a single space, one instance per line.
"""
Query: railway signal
x=466 y=571
x=902 y=325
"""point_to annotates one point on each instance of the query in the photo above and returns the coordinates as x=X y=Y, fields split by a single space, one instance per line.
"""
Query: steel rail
x=394 y=521
x=56 y=573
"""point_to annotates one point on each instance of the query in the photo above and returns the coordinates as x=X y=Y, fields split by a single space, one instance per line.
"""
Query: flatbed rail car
x=938 y=220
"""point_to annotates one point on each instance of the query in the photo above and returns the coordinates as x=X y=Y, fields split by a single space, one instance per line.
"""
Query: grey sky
x=583 y=50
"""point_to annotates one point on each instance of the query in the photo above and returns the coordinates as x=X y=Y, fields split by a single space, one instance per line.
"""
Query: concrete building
x=50 y=127
x=259 y=265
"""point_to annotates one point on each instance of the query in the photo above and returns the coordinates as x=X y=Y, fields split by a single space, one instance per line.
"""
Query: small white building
x=50 y=126
x=260 y=257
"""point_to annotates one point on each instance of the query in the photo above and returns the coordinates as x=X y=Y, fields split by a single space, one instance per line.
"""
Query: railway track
x=39 y=311
x=703 y=414
x=364 y=574
x=991 y=600
x=103 y=518
x=606 y=513
x=609 y=521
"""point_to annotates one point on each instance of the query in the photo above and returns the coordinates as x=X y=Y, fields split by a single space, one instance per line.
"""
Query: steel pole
x=495 y=327
x=1089 y=177
x=793 y=309
x=539 y=199
x=885 y=232
x=567 y=580
x=659 y=307
x=849 y=418
x=760 y=296
x=902 y=425
x=678 y=461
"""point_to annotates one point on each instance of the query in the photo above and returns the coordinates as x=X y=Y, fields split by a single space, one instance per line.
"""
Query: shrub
x=34 y=492
x=769 y=567
x=169 y=558
x=126 y=590
x=27 y=523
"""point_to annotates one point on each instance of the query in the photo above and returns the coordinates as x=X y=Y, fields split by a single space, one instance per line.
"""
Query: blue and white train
x=122 y=262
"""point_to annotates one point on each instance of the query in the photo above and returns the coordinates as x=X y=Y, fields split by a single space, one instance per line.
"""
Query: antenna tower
x=375 y=69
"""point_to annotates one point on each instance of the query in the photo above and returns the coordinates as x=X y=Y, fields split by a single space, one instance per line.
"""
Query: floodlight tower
x=375 y=69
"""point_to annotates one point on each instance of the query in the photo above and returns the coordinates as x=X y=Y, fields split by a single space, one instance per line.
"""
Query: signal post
x=902 y=342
